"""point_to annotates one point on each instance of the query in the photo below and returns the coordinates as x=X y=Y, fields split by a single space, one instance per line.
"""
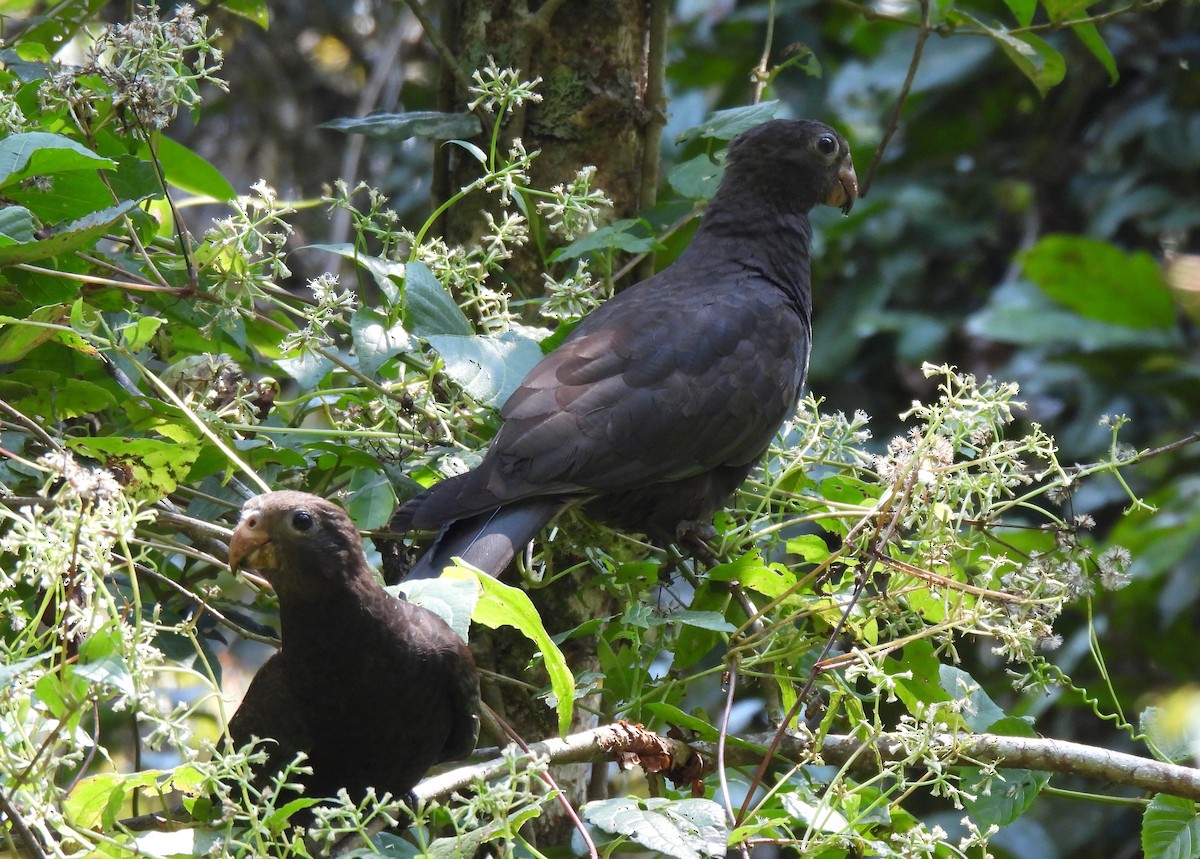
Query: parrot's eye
x=826 y=145
x=302 y=520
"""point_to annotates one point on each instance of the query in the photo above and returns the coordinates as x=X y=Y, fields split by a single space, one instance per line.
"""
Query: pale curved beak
x=845 y=192
x=250 y=537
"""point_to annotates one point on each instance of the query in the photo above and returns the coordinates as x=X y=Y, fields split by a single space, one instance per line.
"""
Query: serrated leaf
x=155 y=468
x=1100 y=281
x=501 y=605
x=1170 y=828
x=684 y=829
x=402 y=126
x=35 y=153
x=489 y=367
x=375 y=341
x=78 y=234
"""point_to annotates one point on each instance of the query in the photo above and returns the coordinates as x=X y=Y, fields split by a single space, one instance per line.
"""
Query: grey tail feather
x=489 y=541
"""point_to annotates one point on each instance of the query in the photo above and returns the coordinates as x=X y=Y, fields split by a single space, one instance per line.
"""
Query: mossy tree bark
x=601 y=71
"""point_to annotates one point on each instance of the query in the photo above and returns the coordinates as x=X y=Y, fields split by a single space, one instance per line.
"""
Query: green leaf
x=35 y=153
x=614 y=236
x=308 y=369
x=1094 y=42
x=728 y=124
x=713 y=621
x=817 y=814
x=697 y=178
x=1020 y=313
x=1100 y=281
x=668 y=714
x=917 y=675
x=375 y=341
x=78 y=234
x=386 y=273
x=1023 y=10
x=1172 y=728
x=417 y=123
x=1001 y=799
x=137 y=335
x=190 y=172
x=450 y=598
x=501 y=605
x=155 y=467
x=489 y=367
x=16 y=225
x=1033 y=55
x=1060 y=11
x=51 y=396
x=251 y=10
x=372 y=499
x=979 y=711
x=683 y=828
x=428 y=307
x=1171 y=828
x=19 y=337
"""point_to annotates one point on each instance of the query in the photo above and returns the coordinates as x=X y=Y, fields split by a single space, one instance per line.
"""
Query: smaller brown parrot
x=374 y=689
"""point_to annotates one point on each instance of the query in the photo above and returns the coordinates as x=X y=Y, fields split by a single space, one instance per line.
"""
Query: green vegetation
x=1004 y=551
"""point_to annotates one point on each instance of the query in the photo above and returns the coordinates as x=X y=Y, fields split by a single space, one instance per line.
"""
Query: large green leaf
x=190 y=172
x=728 y=124
x=1171 y=828
x=376 y=340
x=78 y=234
x=1100 y=281
x=682 y=828
x=428 y=307
x=501 y=605
x=35 y=153
x=489 y=367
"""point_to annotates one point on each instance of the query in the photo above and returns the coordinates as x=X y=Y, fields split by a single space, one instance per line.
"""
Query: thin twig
x=760 y=74
x=893 y=120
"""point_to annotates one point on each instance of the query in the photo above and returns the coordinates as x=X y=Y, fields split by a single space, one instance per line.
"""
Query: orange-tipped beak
x=249 y=540
x=845 y=192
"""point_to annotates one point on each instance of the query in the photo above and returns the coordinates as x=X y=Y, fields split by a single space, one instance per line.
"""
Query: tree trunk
x=601 y=70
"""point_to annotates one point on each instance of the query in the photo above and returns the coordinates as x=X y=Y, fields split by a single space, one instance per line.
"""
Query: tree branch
x=631 y=744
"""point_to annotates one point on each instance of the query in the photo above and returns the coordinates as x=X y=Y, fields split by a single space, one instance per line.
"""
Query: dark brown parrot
x=374 y=689
x=657 y=406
